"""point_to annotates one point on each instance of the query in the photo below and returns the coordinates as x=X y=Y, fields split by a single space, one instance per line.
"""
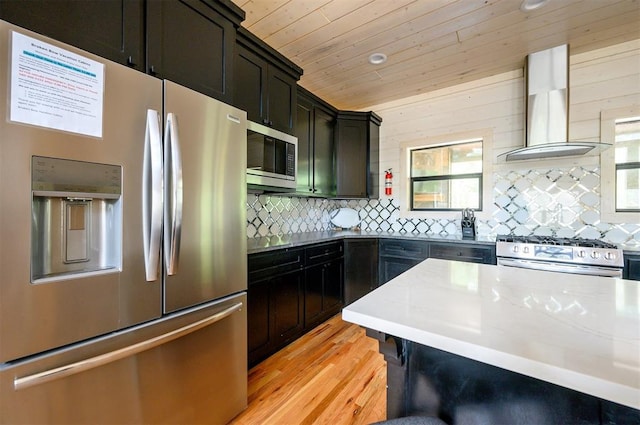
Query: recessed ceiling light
x=529 y=5
x=377 y=58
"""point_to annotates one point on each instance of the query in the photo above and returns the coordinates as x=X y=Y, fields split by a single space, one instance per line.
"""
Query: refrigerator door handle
x=173 y=206
x=103 y=359
x=152 y=195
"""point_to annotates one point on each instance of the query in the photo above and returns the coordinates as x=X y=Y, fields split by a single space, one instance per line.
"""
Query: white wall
x=602 y=79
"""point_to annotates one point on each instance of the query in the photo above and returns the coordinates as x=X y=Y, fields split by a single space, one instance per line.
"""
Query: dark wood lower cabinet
x=275 y=313
x=290 y=292
x=323 y=292
x=399 y=255
x=258 y=328
x=286 y=298
x=391 y=267
x=631 y=267
x=360 y=268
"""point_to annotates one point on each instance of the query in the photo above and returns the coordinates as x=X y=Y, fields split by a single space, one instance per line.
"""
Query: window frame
x=486 y=201
x=608 y=167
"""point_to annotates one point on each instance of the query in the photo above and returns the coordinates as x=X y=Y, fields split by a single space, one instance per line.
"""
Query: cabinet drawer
x=459 y=252
x=404 y=248
x=271 y=263
x=321 y=253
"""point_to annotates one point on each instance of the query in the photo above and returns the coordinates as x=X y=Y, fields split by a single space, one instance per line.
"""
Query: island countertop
x=580 y=332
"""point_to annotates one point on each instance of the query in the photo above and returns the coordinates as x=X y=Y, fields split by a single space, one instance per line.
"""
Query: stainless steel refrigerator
x=122 y=243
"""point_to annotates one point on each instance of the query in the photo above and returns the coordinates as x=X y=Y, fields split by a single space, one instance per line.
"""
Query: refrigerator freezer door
x=205 y=198
x=36 y=316
x=189 y=368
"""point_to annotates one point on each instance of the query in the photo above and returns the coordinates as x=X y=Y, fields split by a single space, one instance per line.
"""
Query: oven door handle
x=564 y=268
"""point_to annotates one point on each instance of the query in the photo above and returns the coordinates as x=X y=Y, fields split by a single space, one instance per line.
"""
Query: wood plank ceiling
x=430 y=44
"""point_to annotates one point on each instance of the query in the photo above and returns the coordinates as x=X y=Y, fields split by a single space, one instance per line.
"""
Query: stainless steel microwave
x=272 y=158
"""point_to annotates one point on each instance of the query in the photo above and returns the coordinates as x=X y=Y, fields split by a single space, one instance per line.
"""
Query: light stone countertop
x=580 y=332
x=269 y=243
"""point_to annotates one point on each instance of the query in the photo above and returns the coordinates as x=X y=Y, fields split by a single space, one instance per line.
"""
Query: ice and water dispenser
x=76 y=223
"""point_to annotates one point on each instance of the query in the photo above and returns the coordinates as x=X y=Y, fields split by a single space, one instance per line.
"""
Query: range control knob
x=581 y=254
x=516 y=248
x=610 y=255
x=595 y=255
x=525 y=249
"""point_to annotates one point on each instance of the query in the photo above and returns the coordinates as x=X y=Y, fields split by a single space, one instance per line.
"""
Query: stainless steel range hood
x=547 y=110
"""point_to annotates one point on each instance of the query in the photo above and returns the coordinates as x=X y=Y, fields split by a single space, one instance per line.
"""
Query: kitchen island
x=476 y=343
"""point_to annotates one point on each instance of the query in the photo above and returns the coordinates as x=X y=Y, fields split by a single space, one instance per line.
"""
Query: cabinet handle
x=130 y=62
x=152 y=70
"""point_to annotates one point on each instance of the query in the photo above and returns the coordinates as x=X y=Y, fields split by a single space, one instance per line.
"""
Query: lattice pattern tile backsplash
x=558 y=202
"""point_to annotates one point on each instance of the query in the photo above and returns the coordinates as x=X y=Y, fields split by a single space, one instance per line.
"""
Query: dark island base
x=424 y=381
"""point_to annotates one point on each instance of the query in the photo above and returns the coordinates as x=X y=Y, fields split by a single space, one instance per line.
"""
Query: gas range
x=569 y=255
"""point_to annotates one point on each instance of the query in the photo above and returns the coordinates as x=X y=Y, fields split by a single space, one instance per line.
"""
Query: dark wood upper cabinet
x=357 y=154
x=265 y=83
x=113 y=29
x=304 y=133
x=315 y=125
x=191 y=42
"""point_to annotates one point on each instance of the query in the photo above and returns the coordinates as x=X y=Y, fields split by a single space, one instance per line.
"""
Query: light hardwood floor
x=332 y=375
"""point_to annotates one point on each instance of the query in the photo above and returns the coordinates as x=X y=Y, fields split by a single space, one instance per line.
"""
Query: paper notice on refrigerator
x=54 y=88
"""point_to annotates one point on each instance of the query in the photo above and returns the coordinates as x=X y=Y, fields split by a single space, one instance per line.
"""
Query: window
x=620 y=165
x=447 y=177
x=627 y=164
x=442 y=174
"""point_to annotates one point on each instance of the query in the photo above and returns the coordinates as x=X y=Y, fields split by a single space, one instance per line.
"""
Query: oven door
x=562 y=267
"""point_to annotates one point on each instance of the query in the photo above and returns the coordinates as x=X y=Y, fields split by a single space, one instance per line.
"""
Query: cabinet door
x=304 y=133
x=250 y=80
x=333 y=287
x=391 y=267
x=352 y=158
x=361 y=268
x=313 y=292
x=190 y=43
x=111 y=29
x=287 y=302
x=258 y=332
x=323 y=292
x=632 y=267
x=281 y=100
x=373 y=177
x=323 y=153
